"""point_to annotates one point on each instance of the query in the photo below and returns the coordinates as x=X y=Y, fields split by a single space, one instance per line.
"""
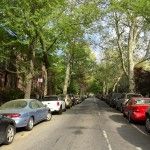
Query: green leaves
x=42 y=29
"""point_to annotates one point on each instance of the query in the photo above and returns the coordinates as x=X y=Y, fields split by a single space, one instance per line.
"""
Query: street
x=91 y=125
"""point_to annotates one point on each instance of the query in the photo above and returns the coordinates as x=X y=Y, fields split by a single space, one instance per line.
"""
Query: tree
x=41 y=29
x=128 y=28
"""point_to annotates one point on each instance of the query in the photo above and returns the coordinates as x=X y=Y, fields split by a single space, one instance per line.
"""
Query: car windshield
x=142 y=101
x=50 y=98
x=14 y=105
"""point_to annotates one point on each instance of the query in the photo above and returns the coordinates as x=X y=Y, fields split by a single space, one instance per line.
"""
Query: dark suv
x=7 y=130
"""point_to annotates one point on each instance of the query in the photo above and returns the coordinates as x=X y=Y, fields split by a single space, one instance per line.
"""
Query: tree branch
x=147 y=55
x=14 y=72
x=119 y=43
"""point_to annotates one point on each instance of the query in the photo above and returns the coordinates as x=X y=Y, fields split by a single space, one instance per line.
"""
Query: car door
x=125 y=109
x=35 y=111
x=129 y=107
x=62 y=102
x=2 y=130
x=42 y=110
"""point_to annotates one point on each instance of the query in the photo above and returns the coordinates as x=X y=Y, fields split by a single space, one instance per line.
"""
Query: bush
x=10 y=94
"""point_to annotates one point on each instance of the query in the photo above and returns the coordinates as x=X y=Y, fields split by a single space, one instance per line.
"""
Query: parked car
x=124 y=98
x=25 y=112
x=147 y=123
x=73 y=99
x=7 y=130
x=83 y=97
x=77 y=99
x=98 y=95
x=108 y=98
x=68 y=101
x=114 y=98
x=135 y=109
x=55 y=103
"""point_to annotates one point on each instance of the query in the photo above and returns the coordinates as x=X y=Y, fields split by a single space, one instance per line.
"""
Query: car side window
x=40 y=104
x=62 y=98
x=33 y=105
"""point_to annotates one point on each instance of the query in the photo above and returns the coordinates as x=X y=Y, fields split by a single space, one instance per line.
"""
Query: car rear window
x=14 y=105
x=142 y=101
x=50 y=98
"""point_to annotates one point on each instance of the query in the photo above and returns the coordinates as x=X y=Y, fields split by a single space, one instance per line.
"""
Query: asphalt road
x=91 y=125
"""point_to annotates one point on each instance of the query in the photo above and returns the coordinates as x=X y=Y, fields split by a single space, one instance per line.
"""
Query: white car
x=55 y=103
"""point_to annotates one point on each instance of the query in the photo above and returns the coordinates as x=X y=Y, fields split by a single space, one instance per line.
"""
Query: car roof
x=27 y=100
x=144 y=98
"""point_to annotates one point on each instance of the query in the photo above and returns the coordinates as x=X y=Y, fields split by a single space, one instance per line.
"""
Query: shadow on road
x=134 y=137
x=130 y=134
x=118 y=118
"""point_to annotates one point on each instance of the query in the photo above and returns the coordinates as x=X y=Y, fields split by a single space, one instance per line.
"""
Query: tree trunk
x=44 y=70
x=67 y=77
x=50 y=83
x=116 y=83
x=104 y=88
x=29 y=76
x=131 y=72
x=107 y=89
x=29 y=81
x=131 y=47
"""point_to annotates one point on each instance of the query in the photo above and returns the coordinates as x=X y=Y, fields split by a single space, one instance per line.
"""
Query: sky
x=95 y=40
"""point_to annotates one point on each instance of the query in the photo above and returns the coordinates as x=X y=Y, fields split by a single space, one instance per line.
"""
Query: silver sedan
x=25 y=112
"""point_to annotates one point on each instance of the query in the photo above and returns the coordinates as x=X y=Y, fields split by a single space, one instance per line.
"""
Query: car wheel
x=147 y=125
x=60 y=110
x=64 y=109
x=124 y=115
x=49 y=116
x=30 y=124
x=10 y=133
x=129 y=118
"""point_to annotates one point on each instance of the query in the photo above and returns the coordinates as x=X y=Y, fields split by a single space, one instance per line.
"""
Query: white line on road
x=107 y=140
x=139 y=129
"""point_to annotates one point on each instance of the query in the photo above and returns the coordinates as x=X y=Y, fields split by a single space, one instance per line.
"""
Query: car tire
x=147 y=124
x=30 y=124
x=49 y=116
x=124 y=115
x=60 y=110
x=10 y=133
x=129 y=118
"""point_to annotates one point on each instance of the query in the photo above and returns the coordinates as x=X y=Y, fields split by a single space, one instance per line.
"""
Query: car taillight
x=14 y=115
x=57 y=103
